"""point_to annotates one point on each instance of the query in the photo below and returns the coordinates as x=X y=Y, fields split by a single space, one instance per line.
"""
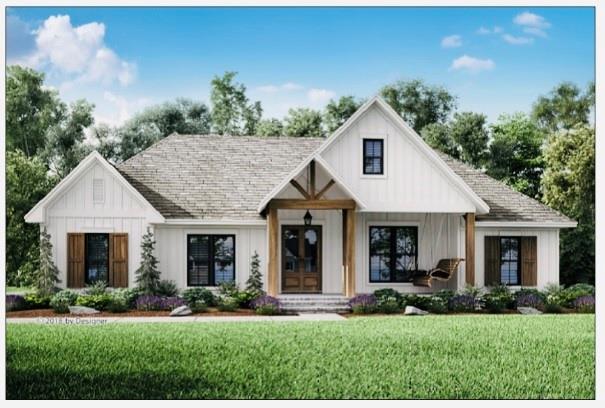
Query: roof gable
x=38 y=213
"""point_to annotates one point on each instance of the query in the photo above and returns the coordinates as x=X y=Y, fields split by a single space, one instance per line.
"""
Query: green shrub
x=498 y=299
x=121 y=300
x=98 y=302
x=421 y=302
x=523 y=292
x=445 y=294
x=166 y=288
x=198 y=306
x=97 y=288
x=381 y=294
x=245 y=297
x=228 y=289
x=36 y=301
x=192 y=295
x=61 y=301
x=267 y=310
x=576 y=291
x=363 y=304
x=554 y=299
x=227 y=304
x=438 y=304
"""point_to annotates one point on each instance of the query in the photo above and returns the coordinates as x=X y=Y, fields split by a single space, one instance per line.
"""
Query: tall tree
x=469 y=130
x=439 y=136
x=147 y=276
x=419 y=104
x=106 y=140
x=27 y=182
x=337 y=112
x=31 y=109
x=270 y=127
x=156 y=122
x=232 y=113
x=564 y=107
x=515 y=153
x=304 y=122
x=65 y=140
x=569 y=186
x=47 y=276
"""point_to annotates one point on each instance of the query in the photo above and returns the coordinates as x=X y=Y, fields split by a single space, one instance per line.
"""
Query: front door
x=301 y=259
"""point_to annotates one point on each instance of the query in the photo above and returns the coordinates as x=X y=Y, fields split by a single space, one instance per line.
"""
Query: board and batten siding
x=547 y=252
x=412 y=182
x=75 y=211
x=171 y=249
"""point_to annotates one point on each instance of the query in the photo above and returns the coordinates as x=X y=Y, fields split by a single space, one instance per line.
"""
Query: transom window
x=510 y=260
x=210 y=259
x=373 y=156
x=393 y=254
x=96 y=258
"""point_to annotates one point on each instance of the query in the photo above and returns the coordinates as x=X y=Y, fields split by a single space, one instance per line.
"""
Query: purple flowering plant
x=266 y=305
x=462 y=303
x=585 y=304
x=530 y=300
x=14 y=302
x=363 y=303
x=155 y=302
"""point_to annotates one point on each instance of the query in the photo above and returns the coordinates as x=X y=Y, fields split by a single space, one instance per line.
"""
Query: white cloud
x=471 y=64
x=78 y=54
x=531 y=20
x=114 y=109
x=285 y=87
x=535 y=31
x=485 y=31
x=511 y=39
x=451 y=41
x=320 y=96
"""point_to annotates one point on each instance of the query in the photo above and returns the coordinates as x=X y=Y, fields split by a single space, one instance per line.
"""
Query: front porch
x=330 y=255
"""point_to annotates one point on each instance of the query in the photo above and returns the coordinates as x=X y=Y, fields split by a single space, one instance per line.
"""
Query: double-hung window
x=510 y=261
x=393 y=253
x=96 y=258
x=210 y=259
x=373 y=156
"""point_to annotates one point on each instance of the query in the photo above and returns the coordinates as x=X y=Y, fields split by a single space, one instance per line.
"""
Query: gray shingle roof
x=505 y=204
x=213 y=177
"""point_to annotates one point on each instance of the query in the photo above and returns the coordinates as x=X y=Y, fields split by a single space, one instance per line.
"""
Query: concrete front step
x=314 y=303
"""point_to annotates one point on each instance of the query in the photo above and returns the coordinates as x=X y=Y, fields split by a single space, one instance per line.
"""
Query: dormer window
x=373 y=156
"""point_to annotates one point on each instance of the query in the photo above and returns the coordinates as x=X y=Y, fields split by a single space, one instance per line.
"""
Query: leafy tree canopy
x=439 y=136
x=232 y=112
x=470 y=132
x=270 y=127
x=31 y=108
x=337 y=112
x=564 y=107
x=569 y=186
x=515 y=153
x=304 y=122
x=419 y=104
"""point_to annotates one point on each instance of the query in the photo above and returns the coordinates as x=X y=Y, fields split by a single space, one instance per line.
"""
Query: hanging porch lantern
x=308 y=218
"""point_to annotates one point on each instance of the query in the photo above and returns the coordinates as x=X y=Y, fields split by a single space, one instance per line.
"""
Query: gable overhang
x=481 y=206
x=37 y=215
x=326 y=167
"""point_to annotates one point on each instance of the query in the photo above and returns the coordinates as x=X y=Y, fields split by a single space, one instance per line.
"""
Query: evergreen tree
x=255 y=281
x=48 y=274
x=148 y=275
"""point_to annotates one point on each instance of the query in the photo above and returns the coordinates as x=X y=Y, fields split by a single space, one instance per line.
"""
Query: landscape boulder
x=528 y=310
x=181 y=311
x=82 y=310
x=414 y=311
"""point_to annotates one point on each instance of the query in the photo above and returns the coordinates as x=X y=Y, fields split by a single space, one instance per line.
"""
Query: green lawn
x=380 y=357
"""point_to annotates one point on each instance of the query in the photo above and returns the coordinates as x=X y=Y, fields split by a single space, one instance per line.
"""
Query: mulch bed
x=130 y=313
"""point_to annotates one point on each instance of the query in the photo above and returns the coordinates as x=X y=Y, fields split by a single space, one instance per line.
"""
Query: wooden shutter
x=75 y=260
x=529 y=263
x=118 y=260
x=492 y=261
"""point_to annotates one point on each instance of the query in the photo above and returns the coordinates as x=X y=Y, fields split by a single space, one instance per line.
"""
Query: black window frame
x=518 y=260
x=87 y=236
x=393 y=250
x=211 y=271
x=367 y=157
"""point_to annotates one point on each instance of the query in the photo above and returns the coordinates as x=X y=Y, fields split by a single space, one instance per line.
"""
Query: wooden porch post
x=470 y=248
x=349 y=251
x=272 y=230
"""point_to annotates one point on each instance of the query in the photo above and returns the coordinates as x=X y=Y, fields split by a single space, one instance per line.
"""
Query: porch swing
x=445 y=269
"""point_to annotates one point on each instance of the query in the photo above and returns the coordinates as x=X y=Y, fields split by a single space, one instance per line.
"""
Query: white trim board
x=524 y=224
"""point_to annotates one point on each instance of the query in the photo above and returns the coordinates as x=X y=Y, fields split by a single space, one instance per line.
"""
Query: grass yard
x=499 y=356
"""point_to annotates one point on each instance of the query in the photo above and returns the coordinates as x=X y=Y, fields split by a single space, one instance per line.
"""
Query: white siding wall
x=75 y=211
x=171 y=249
x=412 y=182
x=547 y=247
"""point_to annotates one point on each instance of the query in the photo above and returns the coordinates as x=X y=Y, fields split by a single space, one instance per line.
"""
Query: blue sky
x=495 y=60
